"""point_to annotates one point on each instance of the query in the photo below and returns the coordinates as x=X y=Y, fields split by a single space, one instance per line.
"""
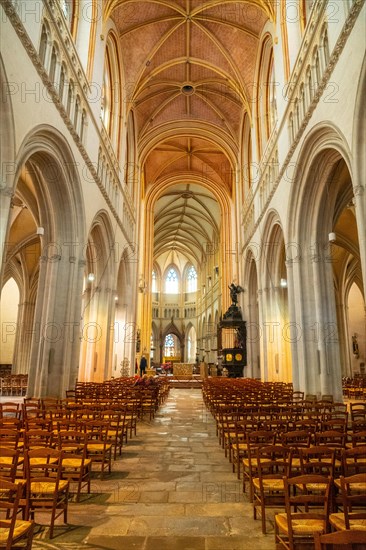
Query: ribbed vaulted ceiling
x=189 y=68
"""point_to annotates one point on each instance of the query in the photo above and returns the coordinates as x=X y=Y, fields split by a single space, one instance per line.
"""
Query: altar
x=183 y=370
x=183 y=376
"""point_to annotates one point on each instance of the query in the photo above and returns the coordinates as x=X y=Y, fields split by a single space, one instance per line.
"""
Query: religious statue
x=234 y=291
x=234 y=311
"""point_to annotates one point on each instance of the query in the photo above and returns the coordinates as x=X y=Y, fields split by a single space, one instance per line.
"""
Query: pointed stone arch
x=7 y=155
x=98 y=308
x=321 y=190
x=55 y=198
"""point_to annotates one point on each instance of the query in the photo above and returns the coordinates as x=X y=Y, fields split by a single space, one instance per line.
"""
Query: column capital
x=54 y=258
x=358 y=190
x=7 y=191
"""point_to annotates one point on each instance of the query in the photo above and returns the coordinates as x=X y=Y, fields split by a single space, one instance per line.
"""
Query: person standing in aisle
x=143 y=365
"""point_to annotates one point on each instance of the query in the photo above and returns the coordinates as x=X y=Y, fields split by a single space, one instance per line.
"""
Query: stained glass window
x=191 y=279
x=169 y=346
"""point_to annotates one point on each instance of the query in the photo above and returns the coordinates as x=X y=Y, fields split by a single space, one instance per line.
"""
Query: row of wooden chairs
x=44 y=486
x=14 y=384
x=269 y=443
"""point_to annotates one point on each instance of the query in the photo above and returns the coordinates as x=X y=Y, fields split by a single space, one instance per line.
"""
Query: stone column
x=292 y=319
x=360 y=211
x=328 y=345
x=6 y=194
x=23 y=339
x=344 y=347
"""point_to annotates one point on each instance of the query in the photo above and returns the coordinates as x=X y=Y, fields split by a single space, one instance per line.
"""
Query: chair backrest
x=72 y=442
x=338 y=424
x=273 y=461
x=43 y=464
x=260 y=438
x=97 y=430
x=310 y=397
x=297 y=395
x=37 y=438
x=296 y=439
x=352 y=539
x=331 y=438
x=307 y=497
x=358 y=438
x=317 y=460
x=327 y=397
x=354 y=460
x=9 y=462
x=358 y=411
x=9 y=504
x=9 y=437
x=353 y=490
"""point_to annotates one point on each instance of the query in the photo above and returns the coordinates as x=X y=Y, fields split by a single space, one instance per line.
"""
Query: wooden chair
x=352 y=540
x=46 y=491
x=353 y=493
x=13 y=531
x=268 y=487
x=76 y=467
x=132 y=407
x=358 y=411
x=10 y=411
x=297 y=396
x=117 y=429
x=307 y=510
x=240 y=445
x=255 y=439
x=99 y=449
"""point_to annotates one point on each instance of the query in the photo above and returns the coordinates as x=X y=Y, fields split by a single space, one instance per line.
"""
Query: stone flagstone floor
x=172 y=489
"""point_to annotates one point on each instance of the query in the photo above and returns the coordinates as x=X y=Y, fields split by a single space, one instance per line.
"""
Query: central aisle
x=172 y=489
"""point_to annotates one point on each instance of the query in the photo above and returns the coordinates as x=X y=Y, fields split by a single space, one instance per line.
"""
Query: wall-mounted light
x=91 y=277
x=116 y=298
x=283 y=283
x=332 y=237
x=40 y=230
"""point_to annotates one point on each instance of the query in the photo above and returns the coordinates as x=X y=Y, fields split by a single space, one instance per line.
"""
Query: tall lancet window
x=171 y=282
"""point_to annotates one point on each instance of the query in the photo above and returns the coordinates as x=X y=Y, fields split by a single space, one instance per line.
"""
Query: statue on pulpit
x=234 y=311
x=234 y=291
